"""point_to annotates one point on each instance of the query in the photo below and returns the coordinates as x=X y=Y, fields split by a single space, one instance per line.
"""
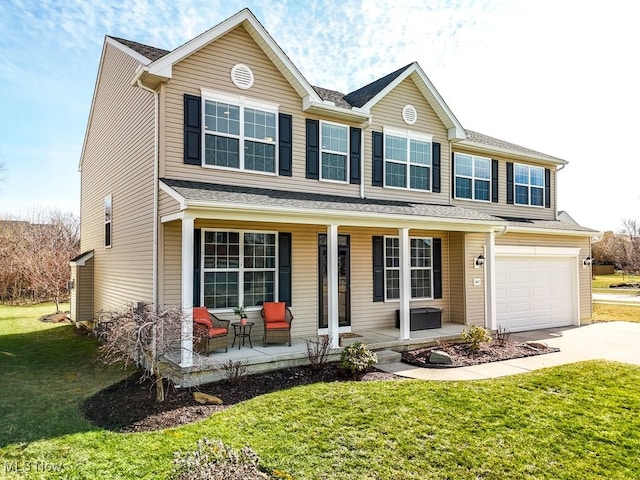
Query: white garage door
x=535 y=292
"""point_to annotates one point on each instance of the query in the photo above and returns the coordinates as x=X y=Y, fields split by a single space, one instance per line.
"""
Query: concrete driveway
x=617 y=341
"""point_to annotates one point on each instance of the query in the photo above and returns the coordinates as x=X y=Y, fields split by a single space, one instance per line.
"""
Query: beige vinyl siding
x=167 y=205
x=584 y=274
x=457 y=290
x=475 y=294
x=81 y=296
x=118 y=161
x=388 y=113
x=170 y=268
x=210 y=68
x=365 y=314
x=502 y=208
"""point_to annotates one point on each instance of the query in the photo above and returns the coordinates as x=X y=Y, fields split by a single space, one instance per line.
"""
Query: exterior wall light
x=587 y=261
x=479 y=261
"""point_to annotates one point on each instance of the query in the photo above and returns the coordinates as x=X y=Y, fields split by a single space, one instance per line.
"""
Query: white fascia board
x=173 y=194
x=551 y=231
x=132 y=53
x=231 y=211
x=455 y=129
x=481 y=147
x=80 y=262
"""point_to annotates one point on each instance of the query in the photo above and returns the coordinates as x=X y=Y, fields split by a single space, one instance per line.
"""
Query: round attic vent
x=242 y=76
x=409 y=114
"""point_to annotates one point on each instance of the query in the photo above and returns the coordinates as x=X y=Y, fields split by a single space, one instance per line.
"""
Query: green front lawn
x=575 y=421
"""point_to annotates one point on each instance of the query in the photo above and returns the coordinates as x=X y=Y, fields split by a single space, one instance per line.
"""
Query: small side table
x=242 y=331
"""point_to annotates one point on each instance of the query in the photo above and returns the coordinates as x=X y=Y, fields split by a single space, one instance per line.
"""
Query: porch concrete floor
x=274 y=356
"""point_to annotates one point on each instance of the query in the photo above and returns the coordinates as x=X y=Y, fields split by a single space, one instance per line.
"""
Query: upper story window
x=334 y=147
x=529 y=185
x=473 y=177
x=421 y=268
x=240 y=133
x=407 y=160
x=107 y=221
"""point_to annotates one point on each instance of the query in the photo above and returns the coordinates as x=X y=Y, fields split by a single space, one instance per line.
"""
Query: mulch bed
x=130 y=405
x=463 y=356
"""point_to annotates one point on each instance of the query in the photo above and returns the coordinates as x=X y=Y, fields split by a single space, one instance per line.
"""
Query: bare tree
x=140 y=336
x=629 y=247
x=605 y=251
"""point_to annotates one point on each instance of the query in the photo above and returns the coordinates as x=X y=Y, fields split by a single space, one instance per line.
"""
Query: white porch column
x=405 y=283
x=186 y=342
x=332 y=285
x=490 y=280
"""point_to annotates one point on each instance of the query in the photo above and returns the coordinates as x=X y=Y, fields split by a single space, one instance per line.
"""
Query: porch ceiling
x=206 y=200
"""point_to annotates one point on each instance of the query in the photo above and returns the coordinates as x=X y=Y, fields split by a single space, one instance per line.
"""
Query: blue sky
x=555 y=76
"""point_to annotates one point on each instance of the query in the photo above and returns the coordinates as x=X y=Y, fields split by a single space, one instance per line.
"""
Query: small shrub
x=502 y=337
x=357 y=358
x=234 y=372
x=318 y=351
x=474 y=336
x=442 y=343
x=213 y=460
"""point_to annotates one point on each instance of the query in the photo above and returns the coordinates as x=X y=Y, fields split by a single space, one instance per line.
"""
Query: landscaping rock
x=206 y=399
x=439 y=357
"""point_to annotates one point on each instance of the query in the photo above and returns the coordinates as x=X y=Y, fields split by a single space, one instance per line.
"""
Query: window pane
x=221 y=151
x=221 y=250
x=420 y=283
x=521 y=174
x=420 y=177
x=537 y=176
x=482 y=190
x=334 y=138
x=334 y=167
x=222 y=117
x=221 y=289
x=260 y=125
x=420 y=152
x=395 y=148
x=259 y=287
x=393 y=284
x=522 y=195
x=421 y=253
x=537 y=196
x=463 y=187
x=395 y=174
x=392 y=252
x=464 y=165
x=482 y=168
x=259 y=156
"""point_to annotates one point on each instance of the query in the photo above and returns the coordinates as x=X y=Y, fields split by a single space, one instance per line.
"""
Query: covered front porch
x=207 y=368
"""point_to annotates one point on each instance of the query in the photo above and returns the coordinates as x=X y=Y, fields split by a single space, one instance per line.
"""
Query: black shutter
x=378 y=269
x=313 y=149
x=453 y=175
x=378 y=159
x=435 y=163
x=495 y=195
x=285 y=151
x=197 y=250
x=192 y=130
x=437 y=268
x=284 y=268
x=510 y=183
x=547 y=188
x=355 y=154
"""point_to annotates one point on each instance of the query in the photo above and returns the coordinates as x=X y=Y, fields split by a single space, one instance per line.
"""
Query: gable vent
x=409 y=114
x=242 y=76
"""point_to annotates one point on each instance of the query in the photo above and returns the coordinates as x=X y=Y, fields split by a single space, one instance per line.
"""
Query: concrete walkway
x=618 y=341
x=617 y=298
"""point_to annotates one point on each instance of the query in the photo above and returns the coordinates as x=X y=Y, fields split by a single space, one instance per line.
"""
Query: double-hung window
x=407 y=160
x=239 y=133
x=473 y=177
x=529 y=185
x=239 y=268
x=421 y=268
x=334 y=146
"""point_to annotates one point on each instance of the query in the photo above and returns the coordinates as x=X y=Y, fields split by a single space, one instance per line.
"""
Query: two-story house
x=215 y=174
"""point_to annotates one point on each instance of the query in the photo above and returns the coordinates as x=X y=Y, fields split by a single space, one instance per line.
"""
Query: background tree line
x=620 y=249
x=35 y=254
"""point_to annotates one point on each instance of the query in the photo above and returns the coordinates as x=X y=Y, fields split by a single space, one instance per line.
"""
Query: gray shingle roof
x=359 y=97
x=333 y=96
x=492 y=142
x=546 y=224
x=152 y=53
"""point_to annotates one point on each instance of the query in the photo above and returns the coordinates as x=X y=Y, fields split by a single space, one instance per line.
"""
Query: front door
x=344 y=282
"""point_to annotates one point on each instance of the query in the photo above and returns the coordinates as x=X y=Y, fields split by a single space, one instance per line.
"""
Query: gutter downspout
x=560 y=167
x=156 y=162
x=362 y=195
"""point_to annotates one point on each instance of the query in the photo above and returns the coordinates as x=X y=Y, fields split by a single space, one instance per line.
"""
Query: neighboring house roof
x=475 y=139
x=360 y=97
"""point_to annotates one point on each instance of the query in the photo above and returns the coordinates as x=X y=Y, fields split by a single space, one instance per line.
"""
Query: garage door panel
x=536 y=292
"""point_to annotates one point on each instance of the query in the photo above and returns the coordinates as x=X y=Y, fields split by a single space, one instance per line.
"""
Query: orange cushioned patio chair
x=277 y=320
x=209 y=332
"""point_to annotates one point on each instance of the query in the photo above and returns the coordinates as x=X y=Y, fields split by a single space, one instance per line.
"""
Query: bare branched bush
x=502 y=336
x=318 y=351
x=140 y=336
x=234 y=371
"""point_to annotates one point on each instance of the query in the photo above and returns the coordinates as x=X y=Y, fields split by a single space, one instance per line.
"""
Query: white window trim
x=392 y=300
x=242 y=102
x=241 y=269
x=346 y=154
x=473 y=178
x=409 y=135
x=528 y=185
x=109 y=222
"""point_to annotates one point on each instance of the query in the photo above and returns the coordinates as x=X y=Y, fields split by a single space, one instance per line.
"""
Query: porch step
x=388 y=356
